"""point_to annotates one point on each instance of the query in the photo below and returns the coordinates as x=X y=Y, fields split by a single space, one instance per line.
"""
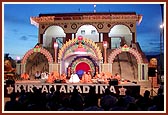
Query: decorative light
x=17 y=58
x=162 y=25
x=79 y=52
x=55 y=44
x=105 y=43
x=80 y=37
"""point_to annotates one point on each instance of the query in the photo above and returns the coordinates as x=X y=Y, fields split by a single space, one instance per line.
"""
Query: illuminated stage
x=94 y=42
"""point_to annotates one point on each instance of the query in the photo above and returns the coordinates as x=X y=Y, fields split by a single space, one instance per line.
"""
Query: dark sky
x=20 y=35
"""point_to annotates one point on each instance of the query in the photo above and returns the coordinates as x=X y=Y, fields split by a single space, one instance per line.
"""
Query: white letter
x=70 y=88
x=97 y=89
x=102 y=89
x=17 y=88
x=62 y=89
x=29 y=88
x=86 y=89
x=112 y=89
x=44 y=88
x=79 y=89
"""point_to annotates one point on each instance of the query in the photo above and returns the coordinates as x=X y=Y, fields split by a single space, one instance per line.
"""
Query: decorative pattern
x=125 y=48
x=100 y=26
x=68 y=49
x=40 y=50
x=73 y=26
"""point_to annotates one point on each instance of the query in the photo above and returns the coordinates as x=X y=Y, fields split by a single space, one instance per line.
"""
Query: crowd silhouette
x=59 y=101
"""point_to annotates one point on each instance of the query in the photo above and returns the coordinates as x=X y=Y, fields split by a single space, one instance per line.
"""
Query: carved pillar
x=106 y=38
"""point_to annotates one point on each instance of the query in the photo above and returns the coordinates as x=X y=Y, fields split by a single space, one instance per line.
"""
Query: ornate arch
x=40 y=50
x=129 y=26
x=45 y=27
x=86 y=60
x=69 y=47
x=125 y=48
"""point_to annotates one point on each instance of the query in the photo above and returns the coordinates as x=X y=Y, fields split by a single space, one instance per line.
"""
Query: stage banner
x=68 y=88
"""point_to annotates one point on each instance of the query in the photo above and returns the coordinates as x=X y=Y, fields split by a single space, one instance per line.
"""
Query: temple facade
x=91 y=42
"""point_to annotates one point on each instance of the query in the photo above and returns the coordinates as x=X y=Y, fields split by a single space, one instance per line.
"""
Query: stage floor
x=41 y=81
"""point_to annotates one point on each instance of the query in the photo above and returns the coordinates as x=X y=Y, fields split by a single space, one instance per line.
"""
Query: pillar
x=18 y=68
x=54 y=67
x=41 y=39
x=107 y=67
x=142 y=72
x=106 y=38
x=133 y=37
x=68 y=36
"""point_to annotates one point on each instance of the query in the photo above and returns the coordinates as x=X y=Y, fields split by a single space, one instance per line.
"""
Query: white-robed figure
x=74 y=78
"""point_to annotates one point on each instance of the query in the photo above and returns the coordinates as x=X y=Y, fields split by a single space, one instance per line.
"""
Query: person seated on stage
x=97 y=76
x=25 y=76
x=56 y=75
x=37 y=75
x=109 y=75
x=51 y=78
x=44 y=75
x=117 y=76
x=90 y=75
x=86 y=78
x=74 y=78
x=63 y=77
x=104 y=77
x=100 y=77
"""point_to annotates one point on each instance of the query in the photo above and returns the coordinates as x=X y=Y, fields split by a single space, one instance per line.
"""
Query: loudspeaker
x=151 y=72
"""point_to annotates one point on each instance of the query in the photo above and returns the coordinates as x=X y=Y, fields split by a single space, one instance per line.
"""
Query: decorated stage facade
x=87 y=42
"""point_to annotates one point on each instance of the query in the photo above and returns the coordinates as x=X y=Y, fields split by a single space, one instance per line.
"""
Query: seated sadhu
x=117 y=76
x=86 y=78
x=97 y=76
x=52 y=77
x=104 y=77
x=63 y=77
x=25 y=76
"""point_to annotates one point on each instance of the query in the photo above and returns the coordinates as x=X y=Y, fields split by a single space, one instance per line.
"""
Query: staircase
x=126 y=67
x=116 y=66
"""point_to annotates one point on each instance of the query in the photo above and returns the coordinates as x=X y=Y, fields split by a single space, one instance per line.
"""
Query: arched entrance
x=37 y=50
x=141 y=67
x=83 y=64
x=88 y=31
x=120 y=35
x=74 y=56
x=52 y=34
x=125 y=48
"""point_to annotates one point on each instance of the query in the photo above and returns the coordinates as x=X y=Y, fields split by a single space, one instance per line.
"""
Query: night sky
x=20 y=35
